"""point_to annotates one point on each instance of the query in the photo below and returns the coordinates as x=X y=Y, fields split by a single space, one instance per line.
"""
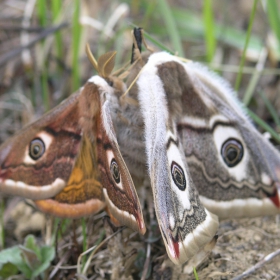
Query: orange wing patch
x=83 y=194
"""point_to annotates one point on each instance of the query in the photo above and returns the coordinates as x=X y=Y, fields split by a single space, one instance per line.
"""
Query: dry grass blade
x=49 y=31
x=258 y=265
x=131 y=85
x=58 y=265
x=93 y=250
x=147 y=262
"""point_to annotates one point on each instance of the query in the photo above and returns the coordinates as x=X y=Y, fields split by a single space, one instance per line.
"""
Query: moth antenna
x=133 y=82
x=130 y=66
x=129 y=100
x=123 y=75
x=123 y=118
x=150 y=49
x=106 y=63
x=117 y=72
x=124 y=71
x=91 y=58
x=184 y=59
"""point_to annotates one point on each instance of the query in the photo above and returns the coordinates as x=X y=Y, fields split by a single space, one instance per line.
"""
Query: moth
x=186 y=132
x=204 y=156
x=69 y=161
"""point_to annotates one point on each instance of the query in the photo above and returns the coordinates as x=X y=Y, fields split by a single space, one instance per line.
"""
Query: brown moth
x=69 y=160
x=197 y=139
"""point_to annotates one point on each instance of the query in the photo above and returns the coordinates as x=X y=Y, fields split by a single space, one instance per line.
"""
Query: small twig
x=24 y=36
x=93 y=251
x=149 y=246
x=67 y=267
x=58 y=265
x=21 y=28
x=258 y=265
x=147 y=262
x=44 y=34
x=12 y=19
x=265 y=233
x=120 y=12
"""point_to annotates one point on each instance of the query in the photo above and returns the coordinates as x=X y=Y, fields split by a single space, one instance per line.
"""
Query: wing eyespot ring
x=115 y=171
x=36 y=148
x=178 y=176
x=232 y=152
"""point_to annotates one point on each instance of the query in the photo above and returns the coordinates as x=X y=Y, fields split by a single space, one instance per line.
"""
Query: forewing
x=64 y=180
x=118 y=188
x=186 y=226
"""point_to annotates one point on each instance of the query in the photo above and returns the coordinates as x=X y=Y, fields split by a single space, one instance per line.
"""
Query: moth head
x=104 y=67
x=117 y=85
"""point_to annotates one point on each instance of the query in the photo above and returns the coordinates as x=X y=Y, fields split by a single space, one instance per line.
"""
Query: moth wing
x=35 y=176
x=186 y=226
x=40 y=163
x=82 y=196
x=118 y=188
x=236 y=170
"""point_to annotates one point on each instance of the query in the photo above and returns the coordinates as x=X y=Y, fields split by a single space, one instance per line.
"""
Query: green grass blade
x=2 y=231
x=251 y=87
x=157 y=43
x=274 y=17
x=264 y=125
x=270 y=108
x=56 y=10
x=195 y=274
x=76 y=35
x=45 y=88
x=148 y=16
x=252 y=17
x=172 y=29
x=191 y=28
x=41 y=12
x=255 y=77
x=84 y=233
x=42 y=15
x=246 y=70
x=209 y=28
